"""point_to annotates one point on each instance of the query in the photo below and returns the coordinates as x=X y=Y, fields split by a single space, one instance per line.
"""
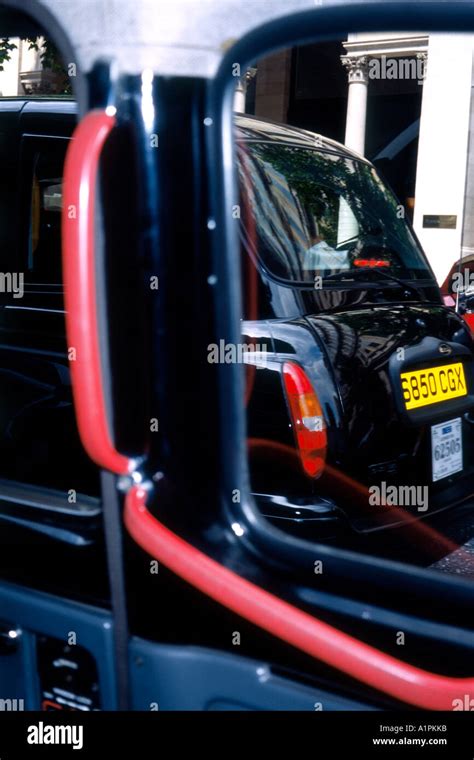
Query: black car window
x=311 y=213
x=45 y=204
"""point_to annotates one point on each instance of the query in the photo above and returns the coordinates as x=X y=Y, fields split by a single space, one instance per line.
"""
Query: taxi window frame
x=268 y=543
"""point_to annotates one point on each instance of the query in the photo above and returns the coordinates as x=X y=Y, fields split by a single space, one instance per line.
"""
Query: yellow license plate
x=430 y=386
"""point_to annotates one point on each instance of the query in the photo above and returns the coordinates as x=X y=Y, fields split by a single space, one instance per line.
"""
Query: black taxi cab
x=375 y=372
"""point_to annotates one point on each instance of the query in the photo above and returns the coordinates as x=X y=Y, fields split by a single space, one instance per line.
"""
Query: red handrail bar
x=318 y=639
x=78 y=242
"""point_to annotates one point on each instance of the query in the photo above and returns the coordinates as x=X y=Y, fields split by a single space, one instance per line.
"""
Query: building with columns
x=404 y=101
x=17 y=72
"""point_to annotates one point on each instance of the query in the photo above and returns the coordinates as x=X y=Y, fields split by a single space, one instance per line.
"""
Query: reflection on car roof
x=250 y=128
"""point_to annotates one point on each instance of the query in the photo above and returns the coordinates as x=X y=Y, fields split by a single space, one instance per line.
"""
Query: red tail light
x=307 y=418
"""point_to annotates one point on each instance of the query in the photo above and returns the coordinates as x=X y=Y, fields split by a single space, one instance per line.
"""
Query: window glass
x=311 y=213
x=44 y=240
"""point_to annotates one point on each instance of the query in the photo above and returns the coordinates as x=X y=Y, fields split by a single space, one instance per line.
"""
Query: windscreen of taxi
x=309 y=213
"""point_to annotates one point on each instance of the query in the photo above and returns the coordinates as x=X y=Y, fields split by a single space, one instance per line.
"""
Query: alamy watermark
x=234 y=353
x=466 y=702
x=12 y=705
x=44 y=733
x=385 y=495
x=12 y=282
x=462 y=281
x=398 y=68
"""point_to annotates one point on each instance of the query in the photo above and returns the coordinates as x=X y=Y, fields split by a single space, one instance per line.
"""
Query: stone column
x=357 y=70
x=443 y=150
x=239 y=96
x=241 y=90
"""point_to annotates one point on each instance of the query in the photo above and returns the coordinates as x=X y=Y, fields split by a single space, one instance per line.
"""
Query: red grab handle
x=318 y=639
x=80 y=179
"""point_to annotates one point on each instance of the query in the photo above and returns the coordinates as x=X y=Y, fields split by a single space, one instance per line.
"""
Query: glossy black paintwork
x=39 y=442
x=350 y=340
x=250 y=129
x=38 y=438
x=351 y=358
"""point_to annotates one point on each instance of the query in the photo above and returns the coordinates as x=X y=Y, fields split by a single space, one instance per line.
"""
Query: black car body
x=357 y=321
x=50 y=488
